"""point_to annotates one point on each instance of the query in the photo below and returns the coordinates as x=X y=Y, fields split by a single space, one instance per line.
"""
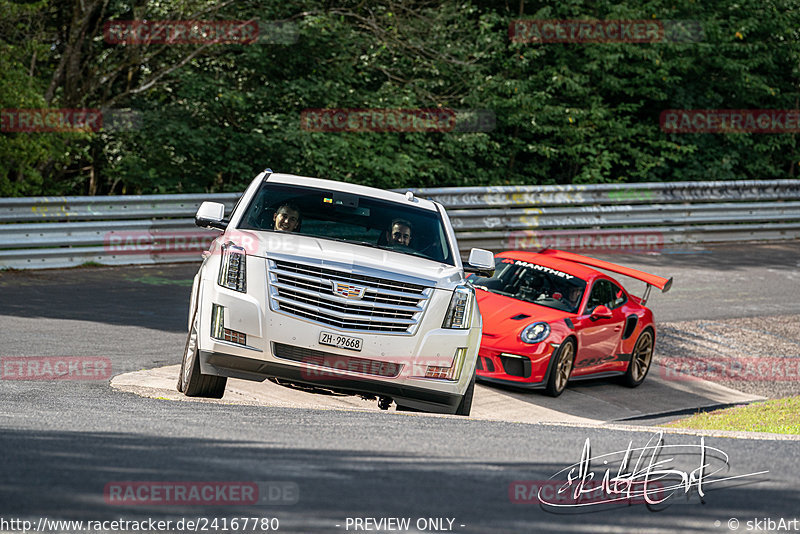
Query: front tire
x=641 y=359
x=191 y=382
x=562 y=369
x=465 y=406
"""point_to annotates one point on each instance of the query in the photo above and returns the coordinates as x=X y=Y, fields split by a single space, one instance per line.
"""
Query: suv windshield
x=534 y=283
x=348 y=217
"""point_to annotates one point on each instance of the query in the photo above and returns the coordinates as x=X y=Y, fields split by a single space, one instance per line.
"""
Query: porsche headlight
x=535 y=333
x=459 y=313
x=232 y=268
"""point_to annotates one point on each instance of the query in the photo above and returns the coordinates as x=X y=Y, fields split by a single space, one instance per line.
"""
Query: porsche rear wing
x=664 y=284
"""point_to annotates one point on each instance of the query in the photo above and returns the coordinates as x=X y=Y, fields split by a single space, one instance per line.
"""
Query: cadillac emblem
x=348 y=291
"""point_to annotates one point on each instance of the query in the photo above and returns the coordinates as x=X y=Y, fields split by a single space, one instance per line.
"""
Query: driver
x=572 y=296
x=399 y=233
x=287 y=218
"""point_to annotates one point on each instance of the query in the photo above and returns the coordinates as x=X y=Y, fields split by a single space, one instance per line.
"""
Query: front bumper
x=520 y=366
x=216 y=363
x=285 y=346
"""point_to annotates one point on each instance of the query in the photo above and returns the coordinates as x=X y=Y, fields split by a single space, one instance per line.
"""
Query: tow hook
x=384 y=403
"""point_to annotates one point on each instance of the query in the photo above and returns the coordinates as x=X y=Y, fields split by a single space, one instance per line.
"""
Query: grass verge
x=779 y=416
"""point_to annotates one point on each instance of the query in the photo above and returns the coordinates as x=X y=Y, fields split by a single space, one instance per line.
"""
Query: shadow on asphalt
x=151 y=296
x=63 y=475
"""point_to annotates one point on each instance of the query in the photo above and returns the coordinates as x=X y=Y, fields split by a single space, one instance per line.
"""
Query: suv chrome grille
x=308 y=291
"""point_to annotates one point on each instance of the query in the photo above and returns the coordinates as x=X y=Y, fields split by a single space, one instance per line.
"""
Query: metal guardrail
x=609 y=194
x=68 y=231
x=37 y=209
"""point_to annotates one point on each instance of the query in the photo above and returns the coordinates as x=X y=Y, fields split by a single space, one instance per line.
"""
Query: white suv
x=334 y=287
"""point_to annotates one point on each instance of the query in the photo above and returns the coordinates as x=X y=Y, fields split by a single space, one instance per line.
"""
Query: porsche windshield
x=534 y=283
x=357 y=219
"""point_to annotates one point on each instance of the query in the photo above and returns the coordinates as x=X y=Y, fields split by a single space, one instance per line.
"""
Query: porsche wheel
x=191 y=381
x=562 y=369
x=641 y=358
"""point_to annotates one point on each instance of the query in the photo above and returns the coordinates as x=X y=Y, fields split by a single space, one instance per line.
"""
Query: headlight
x=459 y=313
x=535 y=333
x=232 y=268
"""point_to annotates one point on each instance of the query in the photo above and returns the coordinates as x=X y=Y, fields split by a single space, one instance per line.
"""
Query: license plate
x=343 y=342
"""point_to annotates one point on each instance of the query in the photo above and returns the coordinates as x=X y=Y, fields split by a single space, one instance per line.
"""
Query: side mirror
x=211 y=215
x=601 y=312
x=480 y=262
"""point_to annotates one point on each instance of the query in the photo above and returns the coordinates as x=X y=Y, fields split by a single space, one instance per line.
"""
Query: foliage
x=778 y=416
x=211 y=116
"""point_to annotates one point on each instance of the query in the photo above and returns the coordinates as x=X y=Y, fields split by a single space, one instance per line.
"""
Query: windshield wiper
x=350 y=241
x=402 y=250
x=364 y=243
x=372 y=245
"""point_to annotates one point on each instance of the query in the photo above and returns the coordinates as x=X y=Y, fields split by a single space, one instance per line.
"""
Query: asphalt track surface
x=64 y=442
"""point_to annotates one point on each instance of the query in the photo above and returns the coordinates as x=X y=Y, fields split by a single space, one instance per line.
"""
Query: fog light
x=218 y=330
x=452 y=373
x=234 y=337
x=437 y=372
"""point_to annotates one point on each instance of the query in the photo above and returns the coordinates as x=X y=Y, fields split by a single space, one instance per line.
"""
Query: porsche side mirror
x=480 y=262
x=600 y=312
x=211 y=215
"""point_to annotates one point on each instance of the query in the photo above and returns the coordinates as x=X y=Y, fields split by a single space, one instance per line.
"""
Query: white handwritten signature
x=650 y=478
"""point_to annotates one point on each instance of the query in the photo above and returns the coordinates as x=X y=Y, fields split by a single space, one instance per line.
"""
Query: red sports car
x=550 y=317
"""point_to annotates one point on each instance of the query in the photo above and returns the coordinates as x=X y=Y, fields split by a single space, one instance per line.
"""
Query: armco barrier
x=47 y=232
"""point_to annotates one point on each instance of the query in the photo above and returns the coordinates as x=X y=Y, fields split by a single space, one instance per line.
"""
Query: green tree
x=211 y=116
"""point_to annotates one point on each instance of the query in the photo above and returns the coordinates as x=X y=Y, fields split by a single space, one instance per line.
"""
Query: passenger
x=399 y=233
x=287 y=218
